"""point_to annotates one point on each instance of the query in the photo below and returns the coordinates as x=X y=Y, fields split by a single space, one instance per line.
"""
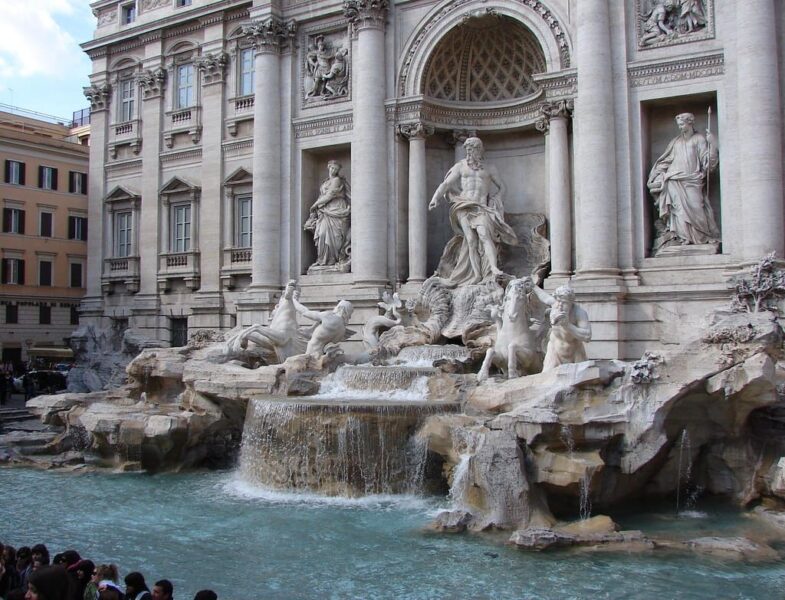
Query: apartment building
x=43 y=242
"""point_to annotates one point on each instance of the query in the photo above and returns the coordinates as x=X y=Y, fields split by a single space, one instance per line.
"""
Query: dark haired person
x=135 y=587
x=49 y=583
x=163 y=590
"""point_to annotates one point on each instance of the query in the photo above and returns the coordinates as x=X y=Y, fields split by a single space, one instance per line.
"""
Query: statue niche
x=330 y=223
x=327 y=70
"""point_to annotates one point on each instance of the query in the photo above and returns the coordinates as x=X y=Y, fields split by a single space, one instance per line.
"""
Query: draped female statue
x=330 y=222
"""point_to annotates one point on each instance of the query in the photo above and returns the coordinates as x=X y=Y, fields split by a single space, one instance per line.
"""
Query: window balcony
x=178 y=265
x=123 y=270
x=240 y=109
x=127 y=133
x=236 y=263
x=183 y=121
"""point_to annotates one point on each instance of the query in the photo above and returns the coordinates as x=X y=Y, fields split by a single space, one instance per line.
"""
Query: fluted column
x=595 y=160
x=760 y=150
x=269 y=36
x=554 y=124
x=418 y=200
x=369 y=144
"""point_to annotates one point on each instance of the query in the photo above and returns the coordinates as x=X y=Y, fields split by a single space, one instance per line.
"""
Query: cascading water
x=396 y=383
x=460 y=482
x=425 y=356
x=684 y=471
x=585 y=494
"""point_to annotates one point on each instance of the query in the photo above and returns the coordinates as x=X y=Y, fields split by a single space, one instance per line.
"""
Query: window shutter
x=71 y=228
x=7 y=176
x=21 y=173
x=21 y=272
x=84 y=182
x=4 y=271
x=46 y=224
x=6 y=220
x=84 y=229
x=54 y=179
x=21 y=222
x=40 y=176
x=71 y=182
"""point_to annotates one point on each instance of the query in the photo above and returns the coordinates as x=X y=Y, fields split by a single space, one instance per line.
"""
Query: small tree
x=761 y=289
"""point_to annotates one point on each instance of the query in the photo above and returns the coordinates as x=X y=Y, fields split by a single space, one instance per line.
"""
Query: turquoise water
x=210 y=530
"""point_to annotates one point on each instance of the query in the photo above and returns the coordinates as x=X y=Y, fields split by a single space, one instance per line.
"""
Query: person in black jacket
x=135 y=587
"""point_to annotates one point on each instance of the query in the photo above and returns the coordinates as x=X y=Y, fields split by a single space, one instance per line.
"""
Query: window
x=14 y=172
x=77 y=228
x=74 y=315
x=123 y=230
x=181 y=228
x=185 y=86
x=244 y=222
x=77 y=182
x=45 y=225
x=44 y=315
x=13 y=271
x=76 y=275
x=47 y=178
x=129 y=13
x=45 y=272
x=13 y=220
x=246 y=71
x=183 y=2
x=127 y=98
x=11 y=313
x=179 y=332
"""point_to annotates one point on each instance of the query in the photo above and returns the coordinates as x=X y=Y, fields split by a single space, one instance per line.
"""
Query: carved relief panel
x=668 y=22
x=325 y=67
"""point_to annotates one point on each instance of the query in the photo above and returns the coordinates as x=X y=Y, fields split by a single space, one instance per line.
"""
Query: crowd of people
x=29 y=574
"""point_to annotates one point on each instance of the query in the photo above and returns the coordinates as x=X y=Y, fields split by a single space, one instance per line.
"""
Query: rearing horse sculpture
x=280 y=338
x=516 y=349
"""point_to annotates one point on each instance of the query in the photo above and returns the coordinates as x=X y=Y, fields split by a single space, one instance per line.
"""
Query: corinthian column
x=369 y=146
x=554 y=123
x=760 y=151
x=595 y=158
x=269 y=36
x=418 y=200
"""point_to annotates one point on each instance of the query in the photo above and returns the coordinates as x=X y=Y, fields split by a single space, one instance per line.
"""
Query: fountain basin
x=339 y=447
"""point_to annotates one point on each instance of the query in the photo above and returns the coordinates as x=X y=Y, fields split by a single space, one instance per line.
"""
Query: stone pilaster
x=269 y=37
x=98 y=95
x=369 y=144
x=595 y=158
x=760 y=149
x=553 y=123
x=418 y=199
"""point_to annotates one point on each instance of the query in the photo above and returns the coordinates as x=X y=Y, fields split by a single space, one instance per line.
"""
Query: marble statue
x=330 y=222
x=570 y=328
x=476 y=216
x=279 y=340
x=516 y=348
x=327 y=70
x=678 y=183
x=331 y=328
x=391 y=304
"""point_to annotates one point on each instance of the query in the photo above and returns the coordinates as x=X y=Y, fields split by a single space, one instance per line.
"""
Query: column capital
x=366 y=14
x=152 y=82
x=212 y=66
x=560 y=109
x=98 y=95
x=415 y=131
x=270 y=35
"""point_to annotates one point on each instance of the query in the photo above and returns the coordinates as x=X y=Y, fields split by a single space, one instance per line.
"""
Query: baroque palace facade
x=220 y=128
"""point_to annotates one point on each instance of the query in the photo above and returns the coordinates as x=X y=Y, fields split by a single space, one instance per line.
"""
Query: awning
x=50 y=352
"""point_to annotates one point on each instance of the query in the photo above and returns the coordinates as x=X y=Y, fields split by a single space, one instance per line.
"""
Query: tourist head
x=110 y=593
x=134 y=584
x=163 y=590
x=24 y=556
x=40 y=554
x=49 y=583
x=9 y=556
x=71 y=558
x=206 y=595
x=685 y=121
x=106 y=573
x=84 y=570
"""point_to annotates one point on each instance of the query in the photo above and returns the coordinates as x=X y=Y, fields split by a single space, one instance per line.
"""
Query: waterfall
x=460 y=482
x=584 y=507
x=335 y=448
x=568 y=440
x=396 y=383
x=684 y=471
x=425 y=356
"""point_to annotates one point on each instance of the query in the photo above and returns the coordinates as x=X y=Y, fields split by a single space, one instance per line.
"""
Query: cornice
x=650 y=73
x=313 y=126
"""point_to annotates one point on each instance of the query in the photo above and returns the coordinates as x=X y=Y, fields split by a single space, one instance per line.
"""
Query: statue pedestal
x=688 y=250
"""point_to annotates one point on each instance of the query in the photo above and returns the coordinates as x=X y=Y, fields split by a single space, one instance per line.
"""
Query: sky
x=42 y=67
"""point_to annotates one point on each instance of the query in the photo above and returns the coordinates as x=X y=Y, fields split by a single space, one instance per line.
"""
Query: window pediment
x=121 y=193
x=239 y=177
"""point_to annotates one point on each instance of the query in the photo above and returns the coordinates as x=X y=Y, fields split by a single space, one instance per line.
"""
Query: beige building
x=213 y=123
x=44 y=235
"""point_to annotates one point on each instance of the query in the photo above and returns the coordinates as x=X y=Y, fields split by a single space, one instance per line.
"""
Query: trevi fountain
x=466 y=434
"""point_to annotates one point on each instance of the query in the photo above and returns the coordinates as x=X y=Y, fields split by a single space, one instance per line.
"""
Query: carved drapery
x=98 y=95
x=271 y=34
